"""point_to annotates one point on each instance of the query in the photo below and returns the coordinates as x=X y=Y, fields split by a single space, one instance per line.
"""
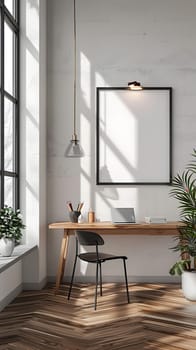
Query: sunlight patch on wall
x=32 y=22
x=85 y=79
x=32 y=86
x=85 y=126
x=85 y=163
x=99 y=80
x=85 y=188
x=85 y=136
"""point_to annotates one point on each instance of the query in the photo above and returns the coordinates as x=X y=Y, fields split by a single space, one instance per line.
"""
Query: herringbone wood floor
x=158 y=317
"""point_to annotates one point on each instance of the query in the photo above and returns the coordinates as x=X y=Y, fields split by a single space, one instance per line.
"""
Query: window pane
x=9 y=191
x=9 y=149
x=0 y=134
x=0 y=55
x=9 y=55
x=9 y=127
x=10 y=4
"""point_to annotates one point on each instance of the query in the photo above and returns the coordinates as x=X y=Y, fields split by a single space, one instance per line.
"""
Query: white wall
x=33 y=135
x=11 y=284
x=118 y=40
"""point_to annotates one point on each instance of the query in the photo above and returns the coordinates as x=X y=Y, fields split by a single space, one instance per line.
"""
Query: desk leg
x=62 y=260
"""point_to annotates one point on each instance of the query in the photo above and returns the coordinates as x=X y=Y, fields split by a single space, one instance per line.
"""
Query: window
x=9 y=103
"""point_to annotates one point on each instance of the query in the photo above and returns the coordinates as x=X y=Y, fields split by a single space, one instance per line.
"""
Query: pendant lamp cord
x=74 y=119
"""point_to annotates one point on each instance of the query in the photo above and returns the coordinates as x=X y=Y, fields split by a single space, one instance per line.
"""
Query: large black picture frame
x=134 y=136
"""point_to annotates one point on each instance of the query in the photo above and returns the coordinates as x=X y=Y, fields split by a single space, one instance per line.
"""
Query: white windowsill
x=19 y=252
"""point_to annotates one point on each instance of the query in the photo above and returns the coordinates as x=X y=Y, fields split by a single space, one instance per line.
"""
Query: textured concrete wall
x=117 y=41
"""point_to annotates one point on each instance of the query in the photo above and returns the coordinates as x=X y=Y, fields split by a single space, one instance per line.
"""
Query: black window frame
x=14 y=23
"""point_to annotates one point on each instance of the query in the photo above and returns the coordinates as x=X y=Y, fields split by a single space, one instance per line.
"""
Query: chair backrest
x=89 y=238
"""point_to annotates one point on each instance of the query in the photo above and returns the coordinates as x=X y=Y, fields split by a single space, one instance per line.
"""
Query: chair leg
x=100 y=277
x=72 y=278
x=97 y=271
x=126 y=281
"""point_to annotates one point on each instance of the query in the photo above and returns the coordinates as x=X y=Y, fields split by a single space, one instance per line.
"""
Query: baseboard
x=11 y=296
x=35 y=285
x=88 y=279
x=120 y=279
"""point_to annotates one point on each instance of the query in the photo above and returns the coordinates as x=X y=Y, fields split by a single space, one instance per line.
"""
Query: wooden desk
x=167 y=229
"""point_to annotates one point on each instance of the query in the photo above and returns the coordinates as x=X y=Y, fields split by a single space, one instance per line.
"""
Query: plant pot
x=6 y=246
x=189 y=284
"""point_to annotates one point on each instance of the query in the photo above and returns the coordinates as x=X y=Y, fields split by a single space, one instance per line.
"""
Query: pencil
x=69 y=205
x=80 y=206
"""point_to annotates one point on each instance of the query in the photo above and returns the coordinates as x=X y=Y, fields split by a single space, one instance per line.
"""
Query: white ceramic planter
x=189 y=284
x=6 y=246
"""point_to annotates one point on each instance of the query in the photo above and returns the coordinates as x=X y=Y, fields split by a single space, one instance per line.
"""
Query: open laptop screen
x=123 y=215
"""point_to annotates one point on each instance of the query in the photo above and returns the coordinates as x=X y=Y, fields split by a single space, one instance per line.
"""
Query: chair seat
x=92 y=257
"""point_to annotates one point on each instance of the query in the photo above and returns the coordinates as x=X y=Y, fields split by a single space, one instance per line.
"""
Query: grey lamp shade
x=74 y=150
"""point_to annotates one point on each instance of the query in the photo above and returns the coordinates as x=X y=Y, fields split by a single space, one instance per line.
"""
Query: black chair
x=87 y=238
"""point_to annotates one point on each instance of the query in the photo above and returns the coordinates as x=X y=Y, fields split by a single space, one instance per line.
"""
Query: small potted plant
x=11 y=225
x=184 y=190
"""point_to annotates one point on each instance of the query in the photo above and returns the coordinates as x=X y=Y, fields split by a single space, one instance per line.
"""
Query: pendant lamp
x=74 y=150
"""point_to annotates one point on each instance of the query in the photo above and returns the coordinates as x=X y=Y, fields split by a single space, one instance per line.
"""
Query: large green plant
x=184 y=190
x=11 y=223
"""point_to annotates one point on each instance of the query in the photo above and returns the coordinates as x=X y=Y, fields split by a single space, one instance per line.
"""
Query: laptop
x=123 y=215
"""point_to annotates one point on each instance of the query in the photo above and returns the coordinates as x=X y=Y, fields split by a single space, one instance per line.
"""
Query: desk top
x=169 y=228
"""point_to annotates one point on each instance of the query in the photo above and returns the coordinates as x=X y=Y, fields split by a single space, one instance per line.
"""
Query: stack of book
x=155 y=220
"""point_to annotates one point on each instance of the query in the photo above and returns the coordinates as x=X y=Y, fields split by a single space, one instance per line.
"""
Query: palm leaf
x=192 y=166
x=179 y=267
x=184 y=190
